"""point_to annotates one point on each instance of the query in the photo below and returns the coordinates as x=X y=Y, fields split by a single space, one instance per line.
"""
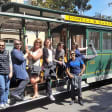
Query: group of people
x=14 y=65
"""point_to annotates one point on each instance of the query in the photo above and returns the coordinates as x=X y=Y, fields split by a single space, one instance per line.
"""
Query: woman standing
x=77 y=67
x=48 y=67
x=19 y=70
x=34 y=59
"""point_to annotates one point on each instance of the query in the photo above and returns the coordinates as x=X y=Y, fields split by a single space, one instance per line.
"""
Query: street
x=95 y=100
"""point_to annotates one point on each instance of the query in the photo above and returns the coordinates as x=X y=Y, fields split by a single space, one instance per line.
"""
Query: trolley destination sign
x=87 y=20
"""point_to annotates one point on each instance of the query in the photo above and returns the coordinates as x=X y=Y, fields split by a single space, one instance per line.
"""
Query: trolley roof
x=36 y=18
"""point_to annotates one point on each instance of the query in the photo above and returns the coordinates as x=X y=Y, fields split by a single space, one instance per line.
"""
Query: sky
x=99 y=6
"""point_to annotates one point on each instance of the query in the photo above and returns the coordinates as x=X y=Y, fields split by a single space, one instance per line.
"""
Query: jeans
x=61 y=71
x=4 y=88
x=79 y=90
x=21 y=87
x=48 y=87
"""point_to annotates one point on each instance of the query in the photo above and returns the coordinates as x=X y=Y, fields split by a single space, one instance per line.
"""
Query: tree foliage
x=83 y=5
x=63 y=5
x=74 y=6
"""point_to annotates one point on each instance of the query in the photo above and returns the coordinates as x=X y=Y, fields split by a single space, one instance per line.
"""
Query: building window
x=9 y=44
x=8 y=41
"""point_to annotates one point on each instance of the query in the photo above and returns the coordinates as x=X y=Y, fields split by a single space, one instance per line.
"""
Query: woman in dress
x=34 y=56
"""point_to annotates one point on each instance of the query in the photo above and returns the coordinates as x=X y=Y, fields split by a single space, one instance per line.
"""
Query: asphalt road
x=95 y=100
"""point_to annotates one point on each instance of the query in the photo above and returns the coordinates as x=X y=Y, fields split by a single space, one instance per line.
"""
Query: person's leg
x=34 y=81
x=79 y=86
x=35 y=86
x=80 y=90
x=2 y=89
x=7 y=84
x=48 y=83
x=20 y=89
x=52 y=72
x=72 y=91
x=47 y=78
x=49 y=89
x=68 y=85
x=58 y=71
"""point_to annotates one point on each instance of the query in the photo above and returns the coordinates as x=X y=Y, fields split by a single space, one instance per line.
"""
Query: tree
x=63 y=5
x=74 y=6
x=82 y=5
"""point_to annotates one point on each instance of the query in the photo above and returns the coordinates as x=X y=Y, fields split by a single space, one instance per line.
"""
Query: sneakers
x=17 y=97
x=72 y=102
x=2 y=106
x=80 y=101
x=6 y=105
x=52 y=98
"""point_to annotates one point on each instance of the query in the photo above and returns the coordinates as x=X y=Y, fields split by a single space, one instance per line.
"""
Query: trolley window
x=107 y=40
x=95 y=37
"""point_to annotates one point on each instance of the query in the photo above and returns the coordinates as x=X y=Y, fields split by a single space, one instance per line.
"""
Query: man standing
x=5 y=75
x=19 y=70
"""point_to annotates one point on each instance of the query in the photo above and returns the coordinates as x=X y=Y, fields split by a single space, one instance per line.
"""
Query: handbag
x=35 y=69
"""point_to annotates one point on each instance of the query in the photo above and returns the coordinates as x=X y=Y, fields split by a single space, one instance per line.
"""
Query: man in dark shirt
x=5 y=75
x=59 y=59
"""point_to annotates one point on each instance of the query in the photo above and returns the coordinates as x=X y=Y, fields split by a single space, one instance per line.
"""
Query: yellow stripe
x=88 y=20
x=98 y=71
x=104 y=54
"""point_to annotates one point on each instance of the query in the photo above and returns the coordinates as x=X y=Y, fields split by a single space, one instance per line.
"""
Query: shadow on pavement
x=100 y=101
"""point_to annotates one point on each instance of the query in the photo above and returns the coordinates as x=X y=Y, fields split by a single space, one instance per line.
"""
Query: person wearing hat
x=75 y=69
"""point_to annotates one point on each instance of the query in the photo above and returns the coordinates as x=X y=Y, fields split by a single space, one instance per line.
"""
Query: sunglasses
x=73 y=54
x=2 y=45
x=17 y=43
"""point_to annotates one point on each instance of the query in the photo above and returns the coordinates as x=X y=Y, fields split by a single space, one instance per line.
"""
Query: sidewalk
x=95 y=100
